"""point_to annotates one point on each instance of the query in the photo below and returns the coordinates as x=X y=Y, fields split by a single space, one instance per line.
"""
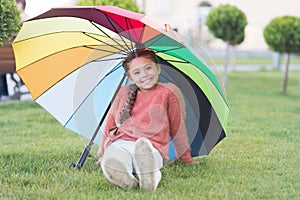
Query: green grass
x=259 y=159
x=255 y=60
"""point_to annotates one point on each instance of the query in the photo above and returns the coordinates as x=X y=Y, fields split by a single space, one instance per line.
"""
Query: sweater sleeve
x=176 y=112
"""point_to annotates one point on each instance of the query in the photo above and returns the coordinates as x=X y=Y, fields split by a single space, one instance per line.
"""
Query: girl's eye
x=149 y=67
x=136 y=73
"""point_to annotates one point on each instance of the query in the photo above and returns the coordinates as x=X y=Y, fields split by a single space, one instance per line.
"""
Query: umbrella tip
x=173 y=33
x=168 y=27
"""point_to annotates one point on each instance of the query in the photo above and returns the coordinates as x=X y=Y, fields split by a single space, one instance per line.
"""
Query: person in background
x=21 y=5
x=3 y=86
x=4 y=94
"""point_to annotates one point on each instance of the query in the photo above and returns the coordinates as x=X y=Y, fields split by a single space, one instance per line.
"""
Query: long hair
x=125 y=113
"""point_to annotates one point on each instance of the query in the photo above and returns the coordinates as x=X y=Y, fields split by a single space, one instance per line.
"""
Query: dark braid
x=125 y=113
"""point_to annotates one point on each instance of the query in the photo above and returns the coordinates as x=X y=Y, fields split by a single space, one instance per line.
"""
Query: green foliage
x=227 y=23
x=282 y=34
x=9 y=20
x=125 y=4
x=238 y=39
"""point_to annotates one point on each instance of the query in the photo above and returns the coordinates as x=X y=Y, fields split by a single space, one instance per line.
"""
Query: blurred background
x=189 y=19
x=189 y=16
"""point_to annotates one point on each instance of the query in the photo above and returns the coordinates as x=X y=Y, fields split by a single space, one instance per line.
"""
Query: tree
x=227 y=23
x=10 y=20
x=282 y=35
x=125 y=4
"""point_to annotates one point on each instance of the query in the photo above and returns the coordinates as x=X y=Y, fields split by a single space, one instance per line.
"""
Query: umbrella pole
x=88 y=147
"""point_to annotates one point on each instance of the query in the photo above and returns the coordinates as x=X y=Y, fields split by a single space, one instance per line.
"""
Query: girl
x=139 y=124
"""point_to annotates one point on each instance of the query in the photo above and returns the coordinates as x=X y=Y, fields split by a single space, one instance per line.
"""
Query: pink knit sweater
x=156 y=115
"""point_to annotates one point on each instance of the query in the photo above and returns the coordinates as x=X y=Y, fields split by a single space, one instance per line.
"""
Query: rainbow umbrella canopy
x=70 y=59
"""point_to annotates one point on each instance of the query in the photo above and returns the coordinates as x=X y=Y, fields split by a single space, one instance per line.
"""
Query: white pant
x=123 y=150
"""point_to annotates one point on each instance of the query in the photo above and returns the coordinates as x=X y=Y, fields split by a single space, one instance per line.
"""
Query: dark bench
x=8 y=66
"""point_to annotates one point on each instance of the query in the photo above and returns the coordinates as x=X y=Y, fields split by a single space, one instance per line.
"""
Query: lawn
x=259 y=158
x=256 y=60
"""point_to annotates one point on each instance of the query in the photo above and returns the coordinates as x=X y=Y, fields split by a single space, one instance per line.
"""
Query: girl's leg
x=117 y=166
x=147 y=164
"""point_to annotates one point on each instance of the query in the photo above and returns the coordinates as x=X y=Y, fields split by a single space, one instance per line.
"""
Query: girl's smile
x=144 y=73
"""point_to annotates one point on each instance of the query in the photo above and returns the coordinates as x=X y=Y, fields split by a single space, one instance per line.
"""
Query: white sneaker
x=116 y=172
x=148 y=162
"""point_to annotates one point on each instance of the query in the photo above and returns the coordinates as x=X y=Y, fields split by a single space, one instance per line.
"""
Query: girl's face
x=144 y=73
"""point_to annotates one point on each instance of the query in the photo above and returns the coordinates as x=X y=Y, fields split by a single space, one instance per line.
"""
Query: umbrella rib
x=99 y=49
x=109 y=20
x=107 y=110
x=162 y=51
x=112 y=70
x=131 y=26
x=177 y=61
x=143 y=31
x=157 y=38
x=108 y=59
x=106 y=42
x=125 y=44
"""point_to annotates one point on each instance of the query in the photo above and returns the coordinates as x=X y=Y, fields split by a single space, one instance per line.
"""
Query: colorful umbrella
x=70 y=60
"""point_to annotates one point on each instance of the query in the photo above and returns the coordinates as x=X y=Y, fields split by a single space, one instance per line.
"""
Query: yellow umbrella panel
x=59 y=49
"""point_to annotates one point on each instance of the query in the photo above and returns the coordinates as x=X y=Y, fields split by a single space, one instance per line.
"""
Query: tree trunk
x=224 y=78
x=286 y=72
x=233 y=57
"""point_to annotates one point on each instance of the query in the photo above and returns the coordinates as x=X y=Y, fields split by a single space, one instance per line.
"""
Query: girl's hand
x=98 y=161
x=99 y=153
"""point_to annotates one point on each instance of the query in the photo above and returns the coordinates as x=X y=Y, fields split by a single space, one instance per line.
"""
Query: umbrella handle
x=82 y=158
x=87 y=149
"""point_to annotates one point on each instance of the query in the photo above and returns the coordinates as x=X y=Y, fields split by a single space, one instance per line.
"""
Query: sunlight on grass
x=259 y=158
